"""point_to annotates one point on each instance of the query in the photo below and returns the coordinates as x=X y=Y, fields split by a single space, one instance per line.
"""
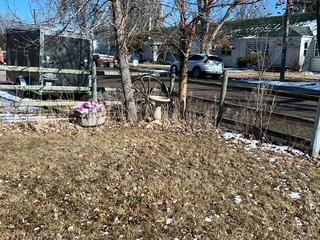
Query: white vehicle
x=202 y=64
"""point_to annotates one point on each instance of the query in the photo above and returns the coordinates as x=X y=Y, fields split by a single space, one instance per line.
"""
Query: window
x=226 y=52
x=316 y=51
x=215 y=58
x=195 y=58
x=305 y=49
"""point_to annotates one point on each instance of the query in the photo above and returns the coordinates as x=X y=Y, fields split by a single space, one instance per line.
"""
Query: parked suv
x=202 y=64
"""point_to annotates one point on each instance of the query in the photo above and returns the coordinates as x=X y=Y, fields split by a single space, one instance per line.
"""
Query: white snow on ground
x=235 y=70
x=169 y=221
x=9 y=109
x=302 y=85
x=295 y=196
x=254 y=144
x=208 y=219
x=8 y=96
x=312 y=73
x=237 y=199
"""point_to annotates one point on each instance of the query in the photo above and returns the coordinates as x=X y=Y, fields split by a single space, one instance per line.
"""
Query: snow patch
x=255 y=144
x=298 y=222
x=169 y=221
x=237 y=199
x=208 y=219
x=273 y=160
x=295 y=196
x=301 y=85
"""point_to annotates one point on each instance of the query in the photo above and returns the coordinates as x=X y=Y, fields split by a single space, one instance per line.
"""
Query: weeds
x=256 y=114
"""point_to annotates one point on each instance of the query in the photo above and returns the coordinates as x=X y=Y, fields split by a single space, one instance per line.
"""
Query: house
x=264 y=36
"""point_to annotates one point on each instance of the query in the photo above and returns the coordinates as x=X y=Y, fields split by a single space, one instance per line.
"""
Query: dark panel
x=23 y=47
x=66 y=52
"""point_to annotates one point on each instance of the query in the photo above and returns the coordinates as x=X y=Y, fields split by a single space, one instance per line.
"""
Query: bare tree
x=190 y=15
x=211 y=24
x=121 y=12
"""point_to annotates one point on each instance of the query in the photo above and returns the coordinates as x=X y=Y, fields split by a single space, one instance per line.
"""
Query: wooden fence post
x=172 y=80
x=94 y=82
x=315 y=140
x=222 y=97
x=172 y=109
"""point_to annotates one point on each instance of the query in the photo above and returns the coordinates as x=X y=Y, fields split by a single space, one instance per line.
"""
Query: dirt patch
x=65 y=182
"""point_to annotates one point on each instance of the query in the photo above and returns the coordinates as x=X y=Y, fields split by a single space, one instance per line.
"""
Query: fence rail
x=228 y=104
x=44 y=88
x=42 y=70
x=250 y=88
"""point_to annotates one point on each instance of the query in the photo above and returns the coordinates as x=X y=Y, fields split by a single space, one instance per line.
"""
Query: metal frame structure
x=70 y=71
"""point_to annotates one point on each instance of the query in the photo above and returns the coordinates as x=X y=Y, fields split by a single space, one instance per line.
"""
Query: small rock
x=169 y=221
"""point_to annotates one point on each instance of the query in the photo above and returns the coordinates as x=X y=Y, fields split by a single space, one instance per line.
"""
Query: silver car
x=201 y=64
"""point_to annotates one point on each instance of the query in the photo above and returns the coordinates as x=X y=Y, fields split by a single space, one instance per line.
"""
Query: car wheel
x=196 y=72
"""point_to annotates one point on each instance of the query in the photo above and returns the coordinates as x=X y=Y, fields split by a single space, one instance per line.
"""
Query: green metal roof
x=271 y=26
x=294 y=31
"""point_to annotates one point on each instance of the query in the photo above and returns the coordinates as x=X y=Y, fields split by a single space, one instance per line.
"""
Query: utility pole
x=285 y=39
x=315 y=140
x=34 y=17
x=318 y=22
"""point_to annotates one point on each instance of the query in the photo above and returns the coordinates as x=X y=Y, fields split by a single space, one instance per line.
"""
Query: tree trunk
x=184 y=55
x=127 y=86
x=183 y=85
x=120 y=22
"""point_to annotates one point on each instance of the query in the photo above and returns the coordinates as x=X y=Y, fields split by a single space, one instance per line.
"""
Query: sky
x=23 y=8
x=20 y=8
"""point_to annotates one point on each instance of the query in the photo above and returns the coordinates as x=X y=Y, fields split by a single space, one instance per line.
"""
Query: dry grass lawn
x=63 y=182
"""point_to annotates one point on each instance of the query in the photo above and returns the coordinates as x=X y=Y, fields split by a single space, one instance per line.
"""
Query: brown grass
x=65 y=182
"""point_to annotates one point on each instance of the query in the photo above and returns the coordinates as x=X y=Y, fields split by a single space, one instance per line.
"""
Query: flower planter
x=91 y=119
x=90 y=114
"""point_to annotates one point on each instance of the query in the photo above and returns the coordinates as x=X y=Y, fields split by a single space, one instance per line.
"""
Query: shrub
x=296 y=67
x=248 y=60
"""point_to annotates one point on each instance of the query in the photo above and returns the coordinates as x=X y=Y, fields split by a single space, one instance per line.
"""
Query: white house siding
x=315 y=64
x=237 y=50
x=315 y=60
x=305 y=61
x=293 y=51
x=275 y=49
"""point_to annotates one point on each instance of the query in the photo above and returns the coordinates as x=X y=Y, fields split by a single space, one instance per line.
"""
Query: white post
x=315 y=140
x=94 y=82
